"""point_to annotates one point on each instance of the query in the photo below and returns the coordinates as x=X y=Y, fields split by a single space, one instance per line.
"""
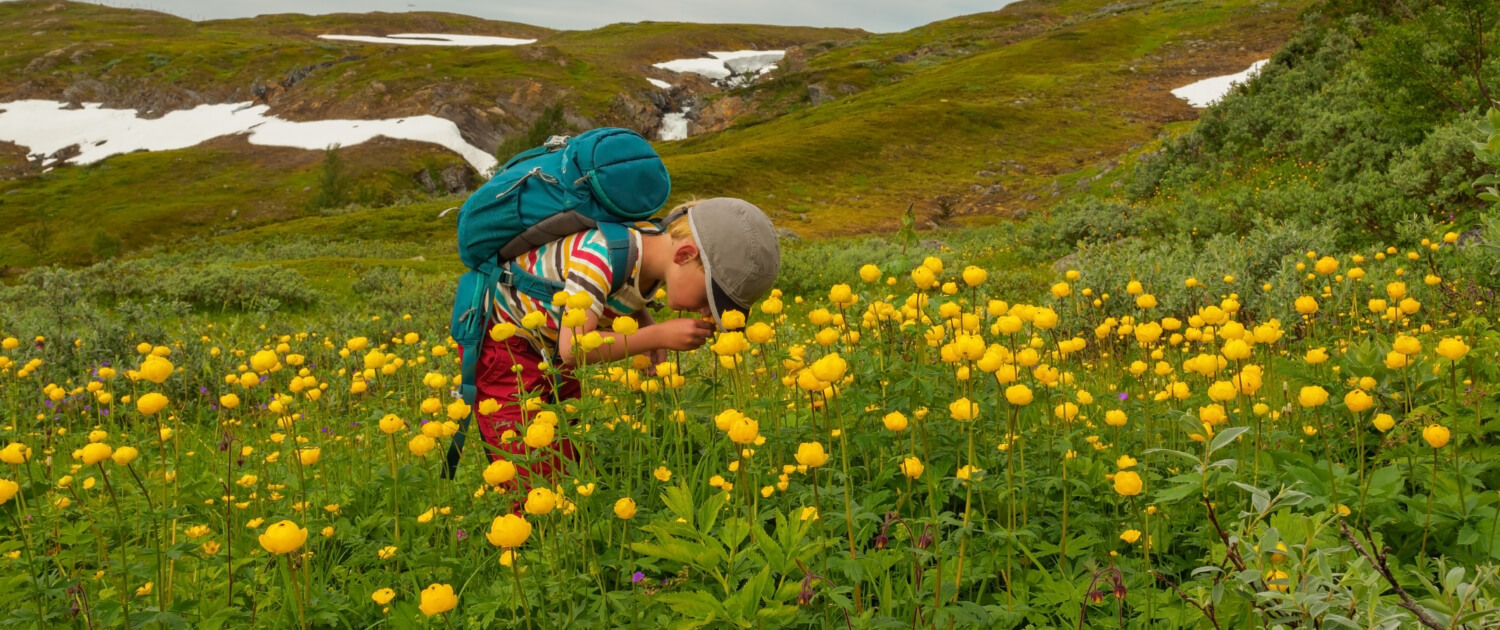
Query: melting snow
x=433 y=39
x=1210 y=90
x=674 y=126
x=659 y=83
x=44 y=127
x=727 y=67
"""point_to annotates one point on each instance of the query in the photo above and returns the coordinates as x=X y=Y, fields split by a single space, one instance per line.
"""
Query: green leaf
x=695 y=604
x=1225 y=437
x=744 y=602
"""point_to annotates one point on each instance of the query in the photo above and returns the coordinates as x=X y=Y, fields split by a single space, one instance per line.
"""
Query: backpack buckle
x=554 y=143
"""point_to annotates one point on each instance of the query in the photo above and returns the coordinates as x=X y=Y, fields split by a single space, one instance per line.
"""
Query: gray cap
x=740 y=253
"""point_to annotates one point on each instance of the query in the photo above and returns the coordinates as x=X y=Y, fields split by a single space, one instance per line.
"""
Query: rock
x=985 y=174
x=803 y=217
x=424 y=179
x=1065 y=263
x=1033 y=196
x=994 y=189
x=818 y=94
x=418 y=258
x=929 y=243
x=787 y=235
x=457 y=178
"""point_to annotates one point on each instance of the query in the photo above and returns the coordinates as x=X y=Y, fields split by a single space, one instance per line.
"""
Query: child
x=713 y=256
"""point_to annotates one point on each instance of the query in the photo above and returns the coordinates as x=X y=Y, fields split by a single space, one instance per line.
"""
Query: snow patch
x=44 y=127
x=660 y=84
x=727 y=68
x=1208 y=91
x=674 y=126
x=433 y=39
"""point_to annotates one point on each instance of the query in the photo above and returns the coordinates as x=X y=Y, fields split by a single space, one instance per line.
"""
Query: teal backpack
x=603 y=178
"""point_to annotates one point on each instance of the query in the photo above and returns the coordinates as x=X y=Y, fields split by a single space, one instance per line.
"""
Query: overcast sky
x=871 y=15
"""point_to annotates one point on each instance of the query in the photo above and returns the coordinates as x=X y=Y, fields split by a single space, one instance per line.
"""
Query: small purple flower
x=1124 y=396
x=637 y=576
x=461 y=534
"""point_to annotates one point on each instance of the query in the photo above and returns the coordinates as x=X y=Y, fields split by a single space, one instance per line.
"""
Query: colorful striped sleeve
x=585 y=267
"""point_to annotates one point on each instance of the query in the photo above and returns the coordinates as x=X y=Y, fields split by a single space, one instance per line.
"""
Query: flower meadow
x=909 y=449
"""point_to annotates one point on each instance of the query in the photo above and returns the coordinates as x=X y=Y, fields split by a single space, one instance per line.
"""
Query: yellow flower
x=662 y=474
x=1018 y=395
x=1125 y=461
x=963 y=409
x=502 y=331
x=1128 y=483
x=1316 y=356
x=811 y=454
x=124 y=455
x=95 y=453
x=420 y=445
x=1312 y=396
x=1383 y=422
x=625 y=508
x=438 y=599
x=1436 y=435
x=1277 y=575
x=539 y=434
x=744 y=431
x=1452 y=348
x=869 y=273
x=1357 y=400
x=283 y=537
x=386 y=553
x=499 y=472
x=895 y=421
x=1130 y=536
x=383 y=596
x=8 y=489
x=509 y=531
x=540 y=501
x=912 y=467
x=1406 y=345
x=426 y=517
x=974 y=276
x=1115 y=418
x=309 y=456
x=830 y=369
x=15 y=454
x=151 y=403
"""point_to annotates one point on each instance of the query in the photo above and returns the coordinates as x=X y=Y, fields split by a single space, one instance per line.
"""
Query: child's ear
x=685 y=252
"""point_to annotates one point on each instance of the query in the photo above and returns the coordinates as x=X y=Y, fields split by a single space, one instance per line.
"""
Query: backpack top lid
x=625 y=174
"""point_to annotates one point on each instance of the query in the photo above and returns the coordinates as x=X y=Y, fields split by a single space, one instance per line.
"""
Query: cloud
x=872 y=15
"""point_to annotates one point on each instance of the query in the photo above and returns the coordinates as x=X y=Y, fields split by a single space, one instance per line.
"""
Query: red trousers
x=496 y=379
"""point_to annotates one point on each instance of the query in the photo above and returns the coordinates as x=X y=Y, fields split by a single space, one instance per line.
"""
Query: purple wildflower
x=637 y=576
x=1124 y=396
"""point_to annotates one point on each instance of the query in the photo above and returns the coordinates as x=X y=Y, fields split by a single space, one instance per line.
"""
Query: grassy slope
x=925 y=129
x=151 y=199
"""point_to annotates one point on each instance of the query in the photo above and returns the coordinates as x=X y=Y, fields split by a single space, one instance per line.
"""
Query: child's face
x=686 y=286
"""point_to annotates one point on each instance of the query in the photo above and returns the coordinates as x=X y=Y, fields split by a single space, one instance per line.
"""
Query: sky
x=871 y=15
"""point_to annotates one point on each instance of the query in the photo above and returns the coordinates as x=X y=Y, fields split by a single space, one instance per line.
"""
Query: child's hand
x=683 y=333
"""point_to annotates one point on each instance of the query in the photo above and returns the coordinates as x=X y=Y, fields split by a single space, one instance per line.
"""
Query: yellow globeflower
x=156 y=369
x=283 y=537
x=895 y=421
x=1128 y=483
x=1452 y=348
x=1357 y=400
x=1436 y=435
x=124 y=455
x=744 y=431
x=625 y=508
x=974 y=276
x=502 y=331
x=963 y=409
x=309 y=456
x=438 y=599
x=539 y=434
x=151 y=403
x=1406 y=345
x=391 y=423
x=1383 y=422
x=912 y=467
x=869 y=273
x=95 y=453
x=1018 y=395
x=509 y=531
x=499 y=472
x=383 y=596
x=1130 y=536
x=1312 y=396
x=420 y=445
x=8 y=489
x=540 y=501
x=811 y=454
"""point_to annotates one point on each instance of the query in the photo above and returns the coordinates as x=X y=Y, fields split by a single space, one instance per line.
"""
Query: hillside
x=973 y=119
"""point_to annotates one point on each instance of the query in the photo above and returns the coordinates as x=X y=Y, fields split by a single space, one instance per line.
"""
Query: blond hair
x=679 y=229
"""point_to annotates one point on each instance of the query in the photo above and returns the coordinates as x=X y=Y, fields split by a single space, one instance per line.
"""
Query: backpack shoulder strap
x=622 y=254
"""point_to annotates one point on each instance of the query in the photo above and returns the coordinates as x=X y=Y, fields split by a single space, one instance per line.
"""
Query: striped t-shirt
x=581 y=262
